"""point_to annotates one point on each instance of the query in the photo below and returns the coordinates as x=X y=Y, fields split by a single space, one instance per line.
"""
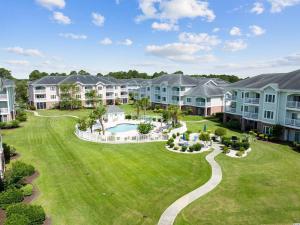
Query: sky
x=241 y=37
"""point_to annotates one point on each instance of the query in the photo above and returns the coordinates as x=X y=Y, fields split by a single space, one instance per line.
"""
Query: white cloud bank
x=126 y=42
x=164 y=26
x=258 y=8
x=73 y=36
x=60 y=18
x=25 y=52
x=257 y=30
x=51 y=4
x=235 y=31
x=106 y=41
x=279 y=5
x=98 y=19
x=236 y=45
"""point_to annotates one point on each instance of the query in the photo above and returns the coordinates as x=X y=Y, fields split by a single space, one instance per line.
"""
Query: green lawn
x=89 y=183
x=260 y=189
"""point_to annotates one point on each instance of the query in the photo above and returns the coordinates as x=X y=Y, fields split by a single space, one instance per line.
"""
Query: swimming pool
x=123 y=127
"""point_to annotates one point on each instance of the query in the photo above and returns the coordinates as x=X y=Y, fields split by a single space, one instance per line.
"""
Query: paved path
x=37 y=114
x=170 y=214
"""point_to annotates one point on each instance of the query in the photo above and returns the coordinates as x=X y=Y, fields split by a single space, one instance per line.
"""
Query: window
x=53 y=96
x=268 y=130
x=182 y=88
x=148 y=88
x=164 y=89
x=52 y=88
x=269 y=115
x=164 y=99
x=247 y=95
x=242 y=94
x=40 y=96
x=78 y=96
x=100 y=88
x=242 y=108
x=270 y=98
x=188 y=100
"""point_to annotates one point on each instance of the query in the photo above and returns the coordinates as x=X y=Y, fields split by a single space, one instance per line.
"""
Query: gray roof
x=113 y=109
x=175 y=79
x=84 y=79
x=289 y=81
x=49 y=80
x=206 y=90
x=7 y=82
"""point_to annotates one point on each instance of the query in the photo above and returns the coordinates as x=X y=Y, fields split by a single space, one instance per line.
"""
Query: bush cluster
x=21 y=116
x=27 y=189
x=128 y=117
x=144 y=128
x=236 y=145
x=18 y=171
x=10 y=196
x=34 y=214
x=183 y=148
x=220 y=132
x=8 y=151
x=10 y=125
x=233 y=124
x=196 y=147
x=16 y=219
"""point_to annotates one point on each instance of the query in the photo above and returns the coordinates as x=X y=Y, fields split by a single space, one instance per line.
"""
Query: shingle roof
x=84 y=79
x=288 y=81
x=206 y=90
x=113 y=109
x=7 y=82
x=49 y=80
x=175 y=79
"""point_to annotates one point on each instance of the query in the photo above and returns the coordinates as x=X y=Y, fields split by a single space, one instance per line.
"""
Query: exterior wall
x=215 y=109
x=7 y=103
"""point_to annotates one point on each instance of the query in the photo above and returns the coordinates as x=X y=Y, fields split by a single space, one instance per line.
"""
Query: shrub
x=128 y=117
x=236 y=145
x=191 y=148
x=21 y=116
x=18 y=171
x=197 y=147
x=27 y=189
x=204 y=136
x=239 y=153
x=82 y=124
x=35 y=214
x=233 y=124
x=171 y=145
x=219 y=116
x=10 y=196
x=220 y=132
x=226 y=150
x=159 y=120
x=10 y=125
x=187 y=136
x=175 y=148
x=242 y=149
x=183 y=148
x=177 y=134
x=16 y=219
x=174 y=136
x=171 y=140
x=144 y=128
x=245 y=145
x=31 y=107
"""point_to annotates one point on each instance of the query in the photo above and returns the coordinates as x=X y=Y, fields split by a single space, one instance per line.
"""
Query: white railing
x=252 y=100
x=3 y=96
x=41 y=91
x=157 y=92
x=110 y=97
x=3 y=110
x=231 y=110
x=251 y=115
x=176 y=92
x=292 y=122
x=293 y=104
x=200 y=103
x=115 y=139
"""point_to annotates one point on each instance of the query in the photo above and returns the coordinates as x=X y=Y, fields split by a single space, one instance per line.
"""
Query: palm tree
x=174 y=112
x=91 y=121
x=137 y=106
x=99 y=112
x=145 y=104
x=92 y=97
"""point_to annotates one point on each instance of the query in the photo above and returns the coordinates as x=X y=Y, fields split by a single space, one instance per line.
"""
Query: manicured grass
x=79 y=113
x=89 y=183
x=260 y=189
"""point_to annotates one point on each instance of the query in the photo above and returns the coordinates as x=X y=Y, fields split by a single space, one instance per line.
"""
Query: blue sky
x=235 y=37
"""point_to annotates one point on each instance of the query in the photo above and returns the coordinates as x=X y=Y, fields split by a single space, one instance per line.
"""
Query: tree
x=73 y=72
x=91 y=121
x=220 y=132
x=92 y=97
x=21 y=91
x=145 y=103
x=179 y=72
x=82 y=124
x=166 y=116
x=99 y=113
x=99 y=75
x=82 y=72
x=204 y=136
x=174 y=112
x=34 y=75
x=156 y=74
x=144 y=128
x=68 y=98
x=137 y=105
x=5 y=74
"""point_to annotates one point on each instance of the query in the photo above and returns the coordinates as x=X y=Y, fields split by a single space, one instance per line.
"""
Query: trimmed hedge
x=10 y=196
x=10 y=125
x=27 y=189
x=34 y=213
x=16 y=219
x=18 y=171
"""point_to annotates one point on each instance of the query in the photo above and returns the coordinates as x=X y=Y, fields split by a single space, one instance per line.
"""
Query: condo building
x=202 y=96
x=7 y=100
x=263 y=101
x=45 y=93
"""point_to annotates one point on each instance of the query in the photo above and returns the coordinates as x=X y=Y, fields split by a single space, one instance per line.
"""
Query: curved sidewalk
x=170 y=214
x=35 y=113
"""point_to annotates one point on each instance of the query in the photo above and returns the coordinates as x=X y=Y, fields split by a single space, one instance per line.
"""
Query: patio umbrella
x=204 y=128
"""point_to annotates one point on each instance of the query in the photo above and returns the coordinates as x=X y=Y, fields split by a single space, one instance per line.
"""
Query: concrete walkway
x=170 y=214
x=35 y=113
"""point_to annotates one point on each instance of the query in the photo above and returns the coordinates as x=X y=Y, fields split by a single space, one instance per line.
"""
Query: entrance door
x=41 y=105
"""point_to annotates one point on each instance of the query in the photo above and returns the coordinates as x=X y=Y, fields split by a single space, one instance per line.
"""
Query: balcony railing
x=3 y=110
x=157 y=91
x=200 y=104
x=252 y=100
x=3 y=96
x=110 y=97
x=231 y=97
x=231 y=110
x=293 y=104
x=40 y=91
x=251 y=115
x=176 y=93
x=292 y=122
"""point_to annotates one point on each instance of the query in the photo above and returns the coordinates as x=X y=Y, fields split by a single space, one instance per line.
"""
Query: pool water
x=124 y=127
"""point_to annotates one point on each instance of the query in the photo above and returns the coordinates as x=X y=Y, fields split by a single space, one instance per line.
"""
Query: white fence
x=119 y=139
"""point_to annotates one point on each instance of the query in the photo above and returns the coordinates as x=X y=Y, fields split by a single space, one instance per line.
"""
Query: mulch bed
x=2 y=216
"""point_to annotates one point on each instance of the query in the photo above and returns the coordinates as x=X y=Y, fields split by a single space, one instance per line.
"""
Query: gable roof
x=206 y=90
x=288 y=81
x=175 y=79
x=48 y=80
x=113 y=109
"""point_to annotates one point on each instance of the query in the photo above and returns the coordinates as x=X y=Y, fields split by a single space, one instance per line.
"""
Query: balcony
x=231 y=110
x=3 y=96
x=176 y=93
x=292 y=122
x=175 y=102
x=293 y=104
x=252 y=101
x=157 y=92
x=201 y=104
x=40 y=91
x=3 y=110
x=231 y=97
x=110 y=97
x=251 y=115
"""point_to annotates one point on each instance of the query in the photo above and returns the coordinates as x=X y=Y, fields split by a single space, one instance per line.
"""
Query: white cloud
x=73 y=36
x=279 y=5
x=180 y=52
x=164 y=26
x=106 y=41
x=98 y=19
x=17 y=62
x=51 y=4
x=256 y=30
x=258 y=8
x=174 y=10
x=61 y=18
x=235 y=45
x=126 y=42
x=204 y=40
x=25 y=52
x=235 y=31
x=216 y=30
